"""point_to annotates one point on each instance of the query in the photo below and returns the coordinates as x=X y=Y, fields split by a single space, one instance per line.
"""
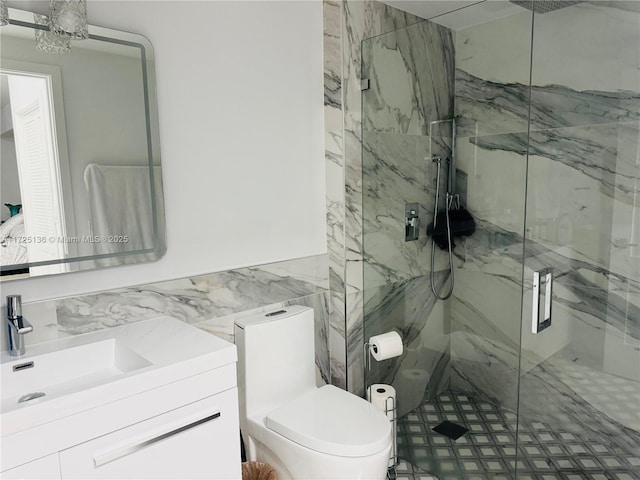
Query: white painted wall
x=240 y=99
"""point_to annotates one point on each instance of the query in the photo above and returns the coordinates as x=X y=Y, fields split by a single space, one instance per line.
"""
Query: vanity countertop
x=83 y=372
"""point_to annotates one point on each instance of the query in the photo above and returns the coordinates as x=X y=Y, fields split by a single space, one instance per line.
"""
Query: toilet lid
x=332 y=421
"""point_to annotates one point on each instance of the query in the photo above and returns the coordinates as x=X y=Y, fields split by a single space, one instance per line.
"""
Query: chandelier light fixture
x=68 y=18
x=47 y=41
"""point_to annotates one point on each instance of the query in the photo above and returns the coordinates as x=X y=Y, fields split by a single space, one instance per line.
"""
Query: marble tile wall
x=582 y=174
x=360 y=20
x=347 y=23
x=387 y=149
x=411 y=72
x=335 y=173
x=211 y=302
x=422 y=371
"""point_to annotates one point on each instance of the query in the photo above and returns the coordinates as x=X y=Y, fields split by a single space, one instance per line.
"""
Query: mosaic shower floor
x=572 y=446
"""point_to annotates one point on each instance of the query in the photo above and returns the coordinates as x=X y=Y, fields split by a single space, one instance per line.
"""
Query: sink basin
x=57 y=381
x=50 y=375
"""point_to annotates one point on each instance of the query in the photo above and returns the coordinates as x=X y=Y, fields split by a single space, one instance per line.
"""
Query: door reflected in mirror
x=79 y=152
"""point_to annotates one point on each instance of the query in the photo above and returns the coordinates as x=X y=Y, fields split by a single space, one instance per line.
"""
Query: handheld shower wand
x=448 y=201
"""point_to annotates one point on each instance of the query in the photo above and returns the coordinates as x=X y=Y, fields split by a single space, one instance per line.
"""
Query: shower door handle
x=542 y=298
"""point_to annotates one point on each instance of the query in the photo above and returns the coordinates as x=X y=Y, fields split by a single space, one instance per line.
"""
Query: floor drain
x=450 y=429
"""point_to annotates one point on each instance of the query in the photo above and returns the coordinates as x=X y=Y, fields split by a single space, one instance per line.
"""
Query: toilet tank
x=276 y=358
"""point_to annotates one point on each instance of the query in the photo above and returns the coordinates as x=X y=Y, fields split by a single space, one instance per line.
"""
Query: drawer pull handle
x=108 y=457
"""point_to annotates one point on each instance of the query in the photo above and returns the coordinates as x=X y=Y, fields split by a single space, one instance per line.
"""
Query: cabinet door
x=200 y=440
x=45 y=468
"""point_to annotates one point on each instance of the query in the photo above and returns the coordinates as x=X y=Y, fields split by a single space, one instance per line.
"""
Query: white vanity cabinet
x=44 y=468
x=198 y=441
x=174 y=416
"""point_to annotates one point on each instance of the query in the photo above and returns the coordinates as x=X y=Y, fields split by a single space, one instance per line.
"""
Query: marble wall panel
x=191 y=300
x=409 y=64
x=582 y=189
x=335 y=181
x=485 y=334
x=410 y=71
x=496 y=178
x=211 y=302
x=338 y=339
x=397 y=170
x=355 y=342
x=360 y=20
x=410 y=308
x=495 y=108
x=610 y=65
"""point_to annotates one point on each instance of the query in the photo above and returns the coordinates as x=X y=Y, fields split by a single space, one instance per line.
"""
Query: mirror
x=80 y=173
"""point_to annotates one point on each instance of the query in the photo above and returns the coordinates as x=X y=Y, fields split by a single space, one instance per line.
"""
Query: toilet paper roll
x=386 y=345
x=379 y=395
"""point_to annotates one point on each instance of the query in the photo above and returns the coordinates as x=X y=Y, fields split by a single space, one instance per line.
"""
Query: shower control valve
x=411 y=222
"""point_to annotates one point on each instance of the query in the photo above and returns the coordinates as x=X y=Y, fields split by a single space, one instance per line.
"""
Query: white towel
x=12 y=227
x=13 y=252
x=121 y=212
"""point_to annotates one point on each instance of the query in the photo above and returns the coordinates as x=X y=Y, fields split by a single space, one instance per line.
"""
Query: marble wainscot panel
x=210 y=301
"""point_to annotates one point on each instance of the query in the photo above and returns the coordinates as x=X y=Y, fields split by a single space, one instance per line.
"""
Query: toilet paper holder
x=389 y=408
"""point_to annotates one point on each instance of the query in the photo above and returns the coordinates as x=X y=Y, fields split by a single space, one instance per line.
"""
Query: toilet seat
x=332 y=421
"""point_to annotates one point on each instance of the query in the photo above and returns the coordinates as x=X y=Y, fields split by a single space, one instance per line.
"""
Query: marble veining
x=599 y=152
x=575 y=149
x=589 y=288
x=210 y=302
x=391 y=145
x=360 y=20
x=191 y=300
x=411 y=79
x=335 y=182
x=410 y=308
x=492 y=108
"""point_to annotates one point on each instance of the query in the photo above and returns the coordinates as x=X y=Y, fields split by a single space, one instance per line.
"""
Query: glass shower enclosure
x=531 y=368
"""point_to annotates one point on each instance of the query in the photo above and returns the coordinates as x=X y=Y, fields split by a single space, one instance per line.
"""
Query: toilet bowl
x=304 y=432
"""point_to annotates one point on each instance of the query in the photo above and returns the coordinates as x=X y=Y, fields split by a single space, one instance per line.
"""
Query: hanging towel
x=120 y=209
x=12 y=251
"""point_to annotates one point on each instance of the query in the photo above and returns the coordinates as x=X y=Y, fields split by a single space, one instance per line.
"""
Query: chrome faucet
x=17 y=324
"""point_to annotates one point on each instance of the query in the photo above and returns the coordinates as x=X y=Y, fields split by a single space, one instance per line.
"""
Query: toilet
x=302 y=431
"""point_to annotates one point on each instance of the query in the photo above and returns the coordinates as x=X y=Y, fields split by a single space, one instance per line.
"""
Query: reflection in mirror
x=80 y=175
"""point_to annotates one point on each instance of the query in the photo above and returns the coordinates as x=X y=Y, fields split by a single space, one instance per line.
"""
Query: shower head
x=544 y=6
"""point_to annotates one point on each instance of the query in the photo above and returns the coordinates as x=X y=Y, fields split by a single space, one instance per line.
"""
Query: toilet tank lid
x=255 y=318
x=332 y=421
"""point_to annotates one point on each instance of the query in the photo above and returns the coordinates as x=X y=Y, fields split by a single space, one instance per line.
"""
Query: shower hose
x=448 y=202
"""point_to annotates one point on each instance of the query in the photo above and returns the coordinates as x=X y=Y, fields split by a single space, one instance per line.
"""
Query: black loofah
x=461 y=224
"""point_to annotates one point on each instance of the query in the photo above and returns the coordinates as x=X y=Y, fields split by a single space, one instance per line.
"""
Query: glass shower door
x=461 y=358
x=580 y=364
